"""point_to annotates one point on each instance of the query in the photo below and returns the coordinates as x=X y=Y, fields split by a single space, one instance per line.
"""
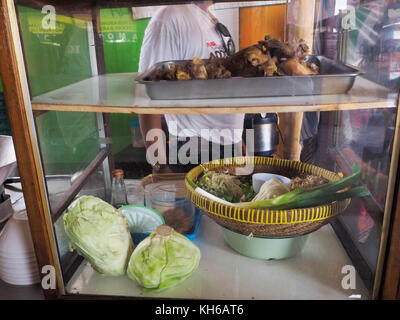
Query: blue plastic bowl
x=196 y=225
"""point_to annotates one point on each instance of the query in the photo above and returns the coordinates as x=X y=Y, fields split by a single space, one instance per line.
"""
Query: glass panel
x=94 y=187
x=68 y=141
x=363 y=138
x=55 y=56
x=328 y=77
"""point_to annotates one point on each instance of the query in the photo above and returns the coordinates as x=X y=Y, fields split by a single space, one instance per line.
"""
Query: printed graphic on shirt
x=216 y=49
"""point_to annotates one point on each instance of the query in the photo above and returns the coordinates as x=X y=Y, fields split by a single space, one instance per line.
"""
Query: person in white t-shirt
x=182 y=32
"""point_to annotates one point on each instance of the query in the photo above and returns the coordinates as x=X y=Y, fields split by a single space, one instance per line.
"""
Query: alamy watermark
x=349 y=18
x=48 y=277
x=192 y=150
x=49 y=20
x=349 y=280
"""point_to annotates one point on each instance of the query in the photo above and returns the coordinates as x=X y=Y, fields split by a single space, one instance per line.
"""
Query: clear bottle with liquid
x=118 y=190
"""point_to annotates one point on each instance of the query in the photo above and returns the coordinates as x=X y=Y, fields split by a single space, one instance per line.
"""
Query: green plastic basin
x=265 y=248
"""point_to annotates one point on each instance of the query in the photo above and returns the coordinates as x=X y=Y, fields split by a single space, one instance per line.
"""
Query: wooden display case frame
x=22 y=109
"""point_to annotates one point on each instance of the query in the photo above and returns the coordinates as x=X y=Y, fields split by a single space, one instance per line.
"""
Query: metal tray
x=335 y=78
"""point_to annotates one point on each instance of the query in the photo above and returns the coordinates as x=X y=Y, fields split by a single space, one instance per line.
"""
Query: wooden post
x=300 y=25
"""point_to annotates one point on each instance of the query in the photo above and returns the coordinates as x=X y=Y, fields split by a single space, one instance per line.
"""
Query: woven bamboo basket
x=263 y=222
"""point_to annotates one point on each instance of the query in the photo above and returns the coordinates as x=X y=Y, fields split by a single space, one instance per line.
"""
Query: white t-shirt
x=182 y=32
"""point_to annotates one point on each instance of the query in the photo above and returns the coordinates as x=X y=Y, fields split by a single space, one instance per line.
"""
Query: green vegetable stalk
x=326 y=193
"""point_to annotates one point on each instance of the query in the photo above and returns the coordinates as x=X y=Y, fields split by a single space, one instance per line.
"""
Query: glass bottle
x=118 y=190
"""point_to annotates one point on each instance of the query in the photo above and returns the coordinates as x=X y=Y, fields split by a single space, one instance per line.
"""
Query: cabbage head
x=163 y=259
x=98 y=232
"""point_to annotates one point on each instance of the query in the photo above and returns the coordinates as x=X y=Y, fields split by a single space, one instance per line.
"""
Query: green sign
x=122 y=40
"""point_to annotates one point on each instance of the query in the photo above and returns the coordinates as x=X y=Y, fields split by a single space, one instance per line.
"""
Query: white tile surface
x=225 y=274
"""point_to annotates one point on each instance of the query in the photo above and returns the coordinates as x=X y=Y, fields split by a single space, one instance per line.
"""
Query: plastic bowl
x=141 y=221
x=24 y=281
x=29 y=277
x=265 y=248
x=26 y=267
x=15 y=238
x=191 y=235
x=19 y=257
x=259 y=179
x=9 y=264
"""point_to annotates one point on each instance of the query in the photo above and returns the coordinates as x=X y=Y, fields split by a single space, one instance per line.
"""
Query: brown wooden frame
x=19 y=109
x=391 y=275
x=20 y=117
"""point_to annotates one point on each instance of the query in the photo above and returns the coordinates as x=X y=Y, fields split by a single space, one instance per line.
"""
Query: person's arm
x=159 y=44
x=148 y=122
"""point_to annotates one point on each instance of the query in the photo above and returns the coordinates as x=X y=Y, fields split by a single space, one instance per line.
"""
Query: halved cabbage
x=163 y=259
x=99 y=233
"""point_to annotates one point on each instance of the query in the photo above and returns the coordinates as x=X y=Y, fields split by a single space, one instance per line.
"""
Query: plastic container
x=141 y=221
x=134 y=191
x=20 y=280
x=168 y=196
x=265 y=248
x=137 y=140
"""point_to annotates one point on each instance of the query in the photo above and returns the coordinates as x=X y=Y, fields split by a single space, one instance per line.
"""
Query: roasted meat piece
x=269 y=68
x=277 y=48
x=197 y=69
x=163 y=73
x=216 y=69
x=245 y=62
x=265 y=59
x=182 y=73
x=296 y=65
x=292 y=67
x=269 y=57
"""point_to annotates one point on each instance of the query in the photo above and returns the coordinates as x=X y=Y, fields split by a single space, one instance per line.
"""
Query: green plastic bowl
x=265 y=248
x=141 y=221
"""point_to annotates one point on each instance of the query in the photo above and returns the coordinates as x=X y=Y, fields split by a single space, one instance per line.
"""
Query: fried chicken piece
x=182 y=73
x=197 y=69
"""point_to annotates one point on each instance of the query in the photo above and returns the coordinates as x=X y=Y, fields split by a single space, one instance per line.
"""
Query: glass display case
x=330 y=75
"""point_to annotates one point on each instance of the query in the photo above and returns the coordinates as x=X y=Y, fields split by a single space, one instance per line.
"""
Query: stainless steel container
x=335 y=78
